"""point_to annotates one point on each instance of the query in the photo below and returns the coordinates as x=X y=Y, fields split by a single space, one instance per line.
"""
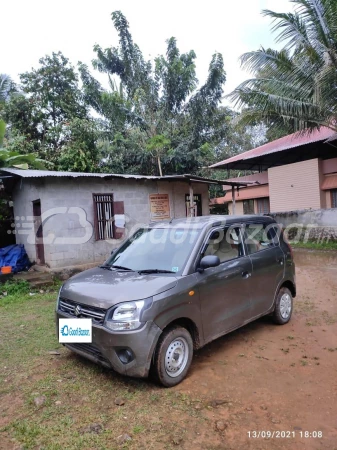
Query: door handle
x=280 y=261
x=245 y=274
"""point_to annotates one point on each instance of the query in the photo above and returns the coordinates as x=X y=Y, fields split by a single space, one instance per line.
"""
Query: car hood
x=104 y=288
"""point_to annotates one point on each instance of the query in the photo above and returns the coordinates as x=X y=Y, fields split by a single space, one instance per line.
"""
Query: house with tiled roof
x=295 y=172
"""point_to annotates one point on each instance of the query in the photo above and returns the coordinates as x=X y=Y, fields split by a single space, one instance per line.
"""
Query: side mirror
x=208 y=261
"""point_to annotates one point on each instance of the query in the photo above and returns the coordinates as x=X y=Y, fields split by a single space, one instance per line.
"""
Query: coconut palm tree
x=7 y=87
x=296 y=86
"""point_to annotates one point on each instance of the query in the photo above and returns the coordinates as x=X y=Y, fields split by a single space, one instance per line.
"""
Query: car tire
x=283 y=306
x=173 y=356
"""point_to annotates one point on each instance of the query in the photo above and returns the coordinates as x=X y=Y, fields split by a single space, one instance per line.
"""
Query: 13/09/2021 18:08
x=285 y=434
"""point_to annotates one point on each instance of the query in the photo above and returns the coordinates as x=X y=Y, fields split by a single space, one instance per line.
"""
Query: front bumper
x=106 y=347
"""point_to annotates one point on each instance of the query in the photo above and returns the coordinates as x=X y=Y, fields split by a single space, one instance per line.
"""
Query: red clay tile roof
x=284 y=143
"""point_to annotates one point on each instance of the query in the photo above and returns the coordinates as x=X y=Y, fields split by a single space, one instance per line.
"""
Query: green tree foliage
x=294 y=88
x=79 y=153
x=15 y=160
x=50 y=99
x=159 y=104
x=11 y=153
x=151 y=118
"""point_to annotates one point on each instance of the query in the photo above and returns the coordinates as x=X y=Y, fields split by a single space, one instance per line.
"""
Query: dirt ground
x=261 y=378
x=279 y=377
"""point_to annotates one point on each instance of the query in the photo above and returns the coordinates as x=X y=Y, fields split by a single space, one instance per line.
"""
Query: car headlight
x=127 y=316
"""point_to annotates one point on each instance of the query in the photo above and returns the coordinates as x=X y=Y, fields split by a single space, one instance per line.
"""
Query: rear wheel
x=283 y=307
x=173 y=356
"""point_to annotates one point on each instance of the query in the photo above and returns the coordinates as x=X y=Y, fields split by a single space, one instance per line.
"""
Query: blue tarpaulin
x=14 y=256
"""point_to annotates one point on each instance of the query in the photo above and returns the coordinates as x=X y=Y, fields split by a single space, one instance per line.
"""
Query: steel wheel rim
x=176 y=357
x=285 y=306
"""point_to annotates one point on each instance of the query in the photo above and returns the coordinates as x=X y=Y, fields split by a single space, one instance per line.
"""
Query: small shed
x=72 y=218
x=69 y=218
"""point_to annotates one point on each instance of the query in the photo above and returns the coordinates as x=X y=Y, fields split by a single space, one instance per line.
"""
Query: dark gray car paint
x=214 y=310
x=218 y=286
x=267 y=272
x=104 y=288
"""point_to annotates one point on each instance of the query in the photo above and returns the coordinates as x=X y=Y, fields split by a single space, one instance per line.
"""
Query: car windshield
x=155 y=250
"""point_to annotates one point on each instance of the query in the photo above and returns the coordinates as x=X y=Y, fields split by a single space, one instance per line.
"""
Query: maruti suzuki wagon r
x=176 y=285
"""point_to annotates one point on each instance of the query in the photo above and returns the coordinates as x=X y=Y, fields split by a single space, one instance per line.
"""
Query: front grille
x=82 y=311
x=91 y=350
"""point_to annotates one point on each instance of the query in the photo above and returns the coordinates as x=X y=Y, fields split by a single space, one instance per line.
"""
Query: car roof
x=211 y=220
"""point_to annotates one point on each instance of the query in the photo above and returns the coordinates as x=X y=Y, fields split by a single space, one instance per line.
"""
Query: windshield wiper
x=105 y=266
x=113 y=266
x=121 y=267
x=155 y=271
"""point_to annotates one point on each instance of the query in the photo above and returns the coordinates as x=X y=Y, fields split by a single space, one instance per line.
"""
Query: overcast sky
x=31 y=29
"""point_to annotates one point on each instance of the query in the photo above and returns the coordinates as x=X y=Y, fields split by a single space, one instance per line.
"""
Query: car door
x=224 y=290
x=267 y=257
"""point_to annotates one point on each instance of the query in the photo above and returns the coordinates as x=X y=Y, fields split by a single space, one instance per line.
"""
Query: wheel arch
x=190 y=326
x=289 y=285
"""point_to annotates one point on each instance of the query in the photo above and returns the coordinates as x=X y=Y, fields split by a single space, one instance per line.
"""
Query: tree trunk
x=159 y=166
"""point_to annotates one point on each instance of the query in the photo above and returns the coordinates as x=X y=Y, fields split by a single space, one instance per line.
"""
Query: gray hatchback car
x=175 y=286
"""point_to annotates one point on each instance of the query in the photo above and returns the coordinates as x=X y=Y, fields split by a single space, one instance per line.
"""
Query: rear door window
x=260 y=236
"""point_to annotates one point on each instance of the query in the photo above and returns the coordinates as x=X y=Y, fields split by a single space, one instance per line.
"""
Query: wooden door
x=38 y=232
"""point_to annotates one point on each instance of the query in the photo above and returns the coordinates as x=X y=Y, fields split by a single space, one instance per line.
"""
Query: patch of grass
x=79 y=394
x=330 y=245
x=138 y=429
x=15 y=287
x=303 y=362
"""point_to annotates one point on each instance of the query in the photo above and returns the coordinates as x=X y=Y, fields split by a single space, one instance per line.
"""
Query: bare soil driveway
x=262 y=378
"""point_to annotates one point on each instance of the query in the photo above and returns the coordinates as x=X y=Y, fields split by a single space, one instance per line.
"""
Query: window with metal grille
x=334 y=198
x=263 y=206
x=248 y=207
x=197 y=210
x=104 y=216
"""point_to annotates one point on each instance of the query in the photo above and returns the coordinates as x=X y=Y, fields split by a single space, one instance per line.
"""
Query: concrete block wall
x=317 y=225
x=63 y=228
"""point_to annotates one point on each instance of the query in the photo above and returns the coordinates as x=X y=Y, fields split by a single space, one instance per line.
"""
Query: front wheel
x=173 y=356
x=283 y=306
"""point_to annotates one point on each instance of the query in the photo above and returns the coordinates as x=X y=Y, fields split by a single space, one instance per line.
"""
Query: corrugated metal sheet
x=258 y=178
x=330 y=182
x=284 y=143
x=53 y=173
x=250 y=192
